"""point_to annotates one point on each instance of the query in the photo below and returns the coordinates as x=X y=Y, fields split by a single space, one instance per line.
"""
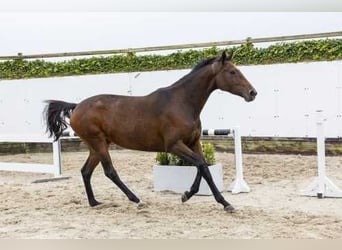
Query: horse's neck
x=195 y=91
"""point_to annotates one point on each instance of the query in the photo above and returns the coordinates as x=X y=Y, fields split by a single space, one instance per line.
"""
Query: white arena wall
x=288 y=96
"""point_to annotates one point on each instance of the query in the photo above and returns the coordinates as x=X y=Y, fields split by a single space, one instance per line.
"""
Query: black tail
x=55 y=114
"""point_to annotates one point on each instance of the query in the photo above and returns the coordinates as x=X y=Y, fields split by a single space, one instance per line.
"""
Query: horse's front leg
x=182 y=150
x=194 y=187
x=197 y=148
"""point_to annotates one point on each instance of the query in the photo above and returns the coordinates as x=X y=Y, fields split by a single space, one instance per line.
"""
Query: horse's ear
x=224 y=56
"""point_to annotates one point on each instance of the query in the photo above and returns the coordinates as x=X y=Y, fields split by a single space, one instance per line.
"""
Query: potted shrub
x=174 y=174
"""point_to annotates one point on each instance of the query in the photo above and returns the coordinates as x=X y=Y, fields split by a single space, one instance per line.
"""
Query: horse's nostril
x=253 y=93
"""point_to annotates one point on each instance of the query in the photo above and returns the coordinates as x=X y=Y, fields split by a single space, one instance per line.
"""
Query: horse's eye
x=232 y=72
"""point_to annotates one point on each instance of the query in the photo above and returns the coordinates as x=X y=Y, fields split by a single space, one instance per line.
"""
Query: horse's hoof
x=230 y=209
x=94 y=203
x=185 y=197
x=141 y=205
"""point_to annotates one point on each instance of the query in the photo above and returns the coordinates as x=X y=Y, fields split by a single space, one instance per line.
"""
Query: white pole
x=57 y=163
x=239 y=185
x=238 y=153
x=320 y=153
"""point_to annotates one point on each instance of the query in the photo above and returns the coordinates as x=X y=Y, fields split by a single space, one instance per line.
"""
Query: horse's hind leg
x=111 y=173
x=101 y=148
x=87 y=171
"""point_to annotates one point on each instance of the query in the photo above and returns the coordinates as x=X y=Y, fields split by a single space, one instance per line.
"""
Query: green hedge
x=169 y=159
x=245 y=54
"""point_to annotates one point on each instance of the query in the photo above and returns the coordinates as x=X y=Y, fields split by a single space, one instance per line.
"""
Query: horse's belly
x=138 y=141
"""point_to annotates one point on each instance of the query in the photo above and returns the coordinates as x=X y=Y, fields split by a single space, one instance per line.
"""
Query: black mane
x=203 y=63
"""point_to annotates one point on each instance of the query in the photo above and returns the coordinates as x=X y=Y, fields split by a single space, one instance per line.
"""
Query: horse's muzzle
x=252 y=93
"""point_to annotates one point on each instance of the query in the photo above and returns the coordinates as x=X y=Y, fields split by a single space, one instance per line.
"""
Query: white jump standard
x=239 y=185
x=322 y=186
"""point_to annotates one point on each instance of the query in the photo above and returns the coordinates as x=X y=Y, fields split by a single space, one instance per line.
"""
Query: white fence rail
x=55 y=168
x=177 y=47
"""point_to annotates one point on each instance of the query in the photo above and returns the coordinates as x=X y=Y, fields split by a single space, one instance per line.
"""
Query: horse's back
x=130 y=121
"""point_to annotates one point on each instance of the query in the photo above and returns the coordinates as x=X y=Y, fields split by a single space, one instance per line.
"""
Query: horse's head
x=229 y=78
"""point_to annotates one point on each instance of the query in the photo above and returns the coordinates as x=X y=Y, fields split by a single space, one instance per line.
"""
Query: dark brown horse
x=167 y=120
